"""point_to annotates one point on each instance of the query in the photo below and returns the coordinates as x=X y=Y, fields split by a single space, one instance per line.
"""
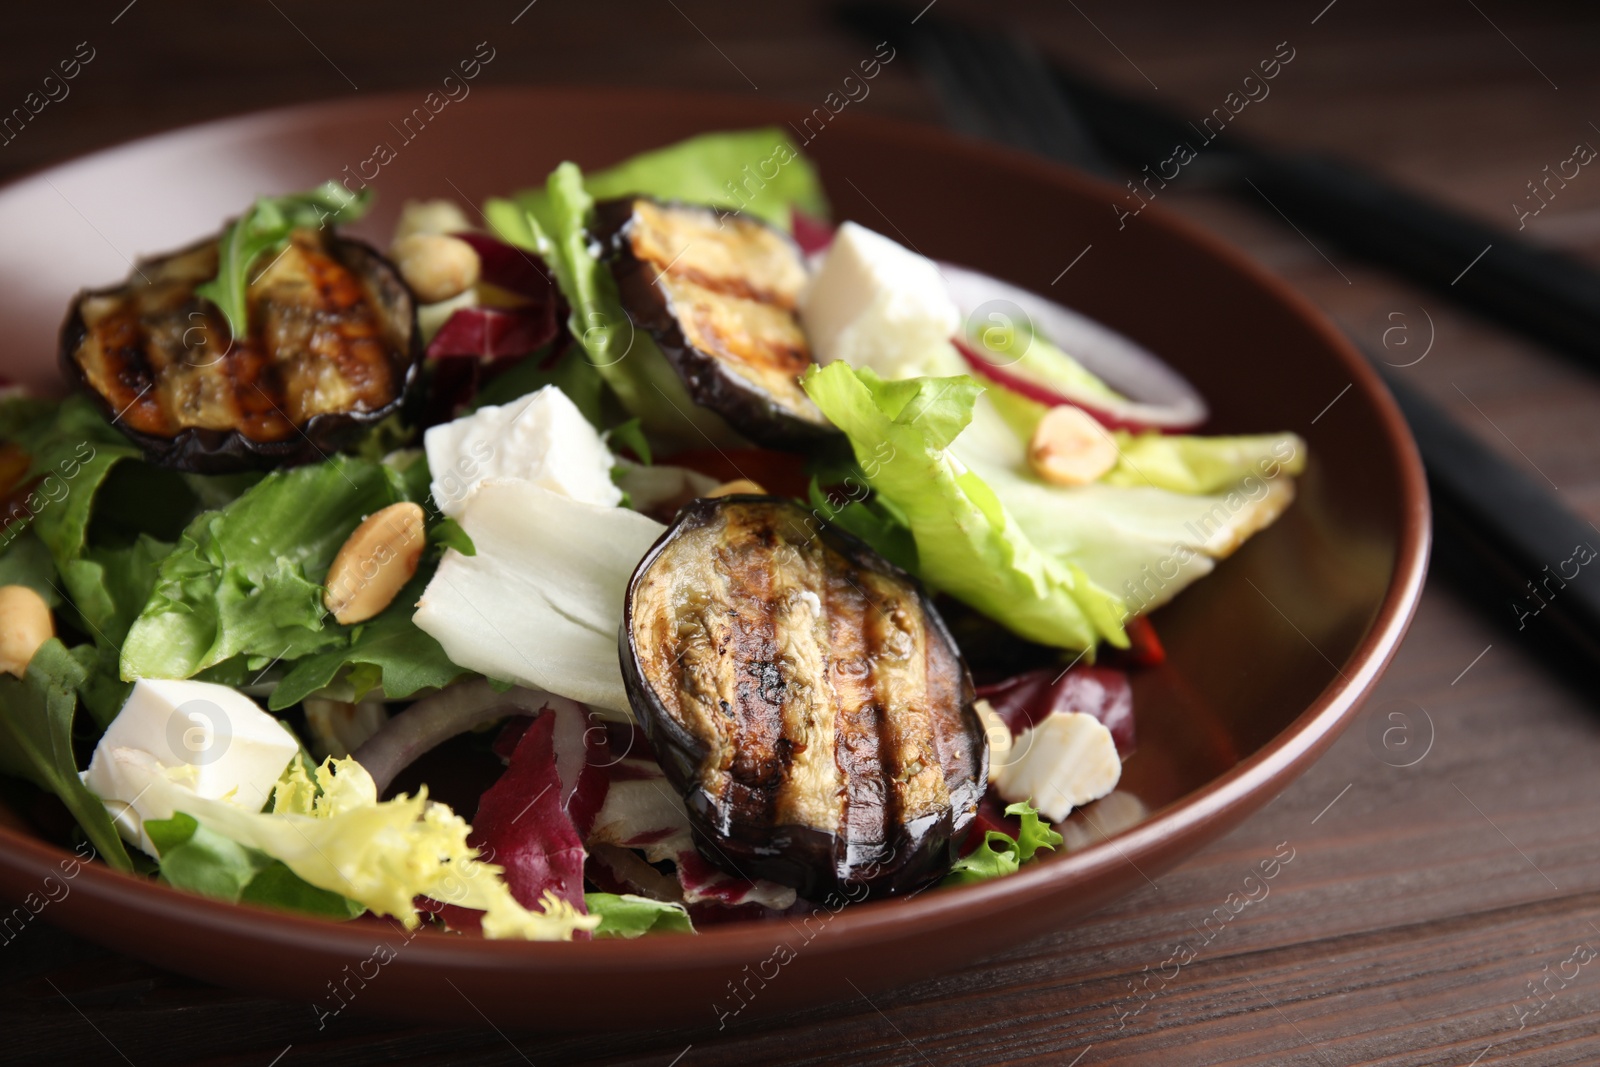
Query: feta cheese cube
x=875 y=303
x=1062 y=762
x=541 y=438
x=225 y=746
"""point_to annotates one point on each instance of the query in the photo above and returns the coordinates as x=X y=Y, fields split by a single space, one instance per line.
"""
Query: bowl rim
x=1202 y=814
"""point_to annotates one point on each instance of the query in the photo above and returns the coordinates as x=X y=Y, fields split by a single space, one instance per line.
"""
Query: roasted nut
x=1070 y=447
x=737 y=487
x=998 y=735
x=379 y=557
x=25 y=624
x=435 y=265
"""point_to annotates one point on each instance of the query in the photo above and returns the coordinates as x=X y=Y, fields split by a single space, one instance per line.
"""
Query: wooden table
x=1424 y=905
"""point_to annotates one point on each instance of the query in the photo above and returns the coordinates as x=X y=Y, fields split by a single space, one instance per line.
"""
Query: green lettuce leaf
x=1146 y=542
x=25 y=561
x=109 y=587
x=758 y=171
x=387 y=652
x=1000 y=853
x=626 y=915
x=246 y=579
x=36 y=716
x=200 y=861
x=1202 y=465
x=968 y=543
x=72 y=455
x=264 y=228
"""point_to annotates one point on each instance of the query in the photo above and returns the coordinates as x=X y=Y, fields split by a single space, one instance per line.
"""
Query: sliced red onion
x=435 y=719
x=1163 y=398
x=1103 y=692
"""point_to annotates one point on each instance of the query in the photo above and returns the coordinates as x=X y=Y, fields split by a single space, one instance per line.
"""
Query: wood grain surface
x=1440 y=913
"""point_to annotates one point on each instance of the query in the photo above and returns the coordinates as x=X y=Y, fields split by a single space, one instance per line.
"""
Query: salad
x=645 y=518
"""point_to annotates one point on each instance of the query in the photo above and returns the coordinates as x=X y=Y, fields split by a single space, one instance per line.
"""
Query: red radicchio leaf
x=532 y=821
x=508 y=267
x=495 y=333
x=811 y=234
x=1102 y=692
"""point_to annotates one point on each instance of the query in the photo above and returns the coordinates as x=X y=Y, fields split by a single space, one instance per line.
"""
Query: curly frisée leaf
x=1000 y=853
x=334 y=833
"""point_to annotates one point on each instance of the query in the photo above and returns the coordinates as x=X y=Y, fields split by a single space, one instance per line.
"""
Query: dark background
x=1424 y=903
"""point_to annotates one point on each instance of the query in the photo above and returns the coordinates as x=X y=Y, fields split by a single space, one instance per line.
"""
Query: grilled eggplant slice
x=804 y=697
x=333 y=348
x=718 y=292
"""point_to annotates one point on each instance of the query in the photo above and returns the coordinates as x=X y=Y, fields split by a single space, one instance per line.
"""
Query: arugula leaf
x=447 y=533
x=626 y=915
x=387 y=651
x=572 y=373
x=36 y=713
x=264 y=228
x=202 y=861
x=247 y=578
x=1000 y=853
x=631 y=434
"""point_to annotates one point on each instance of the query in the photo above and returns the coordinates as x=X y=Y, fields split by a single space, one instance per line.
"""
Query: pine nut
x=738 y=487
x=25 y=624
x=436 y=266
x=1070 y=447
x=378 y=559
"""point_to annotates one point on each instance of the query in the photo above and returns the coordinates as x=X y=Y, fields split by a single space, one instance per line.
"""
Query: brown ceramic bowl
x=1269 y=657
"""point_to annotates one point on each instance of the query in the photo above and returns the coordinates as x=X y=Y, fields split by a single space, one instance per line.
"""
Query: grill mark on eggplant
x=333 y=347
x=717 y=291
x=868 y=816
x=805 y=737
x=760 y=754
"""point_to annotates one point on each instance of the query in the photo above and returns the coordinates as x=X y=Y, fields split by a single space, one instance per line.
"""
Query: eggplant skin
x=805 y=698
x=334 y=348
x=718 y=291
